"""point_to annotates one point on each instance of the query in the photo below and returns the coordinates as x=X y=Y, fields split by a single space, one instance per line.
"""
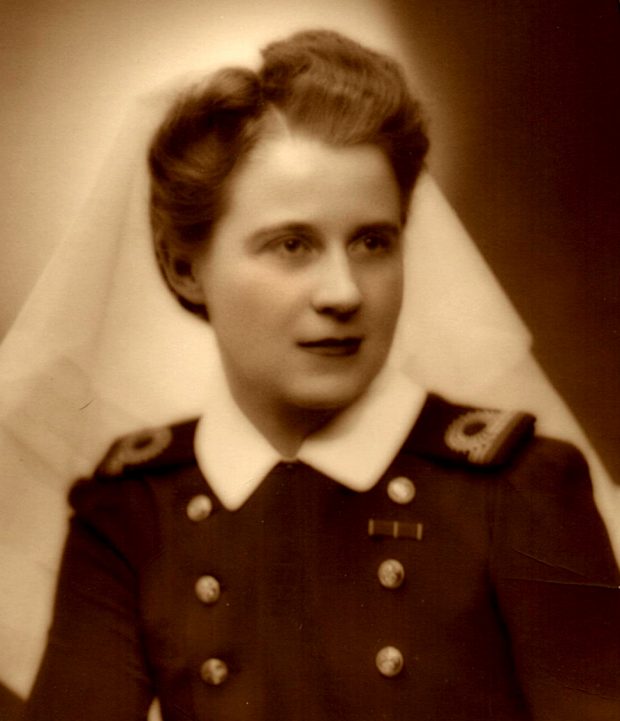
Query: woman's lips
x=333 y=346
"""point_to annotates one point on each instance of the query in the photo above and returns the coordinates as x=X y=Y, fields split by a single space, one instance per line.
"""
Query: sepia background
x=522 y=98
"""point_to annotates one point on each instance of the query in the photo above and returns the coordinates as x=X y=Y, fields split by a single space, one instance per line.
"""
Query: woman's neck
x=285 y=427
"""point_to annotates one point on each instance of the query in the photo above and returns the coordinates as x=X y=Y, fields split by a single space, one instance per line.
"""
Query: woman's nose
x=337 y=290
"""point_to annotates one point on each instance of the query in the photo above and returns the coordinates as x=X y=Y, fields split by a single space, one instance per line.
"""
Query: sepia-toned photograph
x=310 y=360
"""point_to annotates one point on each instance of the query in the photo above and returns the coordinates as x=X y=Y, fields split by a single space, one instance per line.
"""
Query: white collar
x=354 y=449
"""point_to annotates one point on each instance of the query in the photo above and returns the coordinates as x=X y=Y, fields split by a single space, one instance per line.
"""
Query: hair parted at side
x=321 y=83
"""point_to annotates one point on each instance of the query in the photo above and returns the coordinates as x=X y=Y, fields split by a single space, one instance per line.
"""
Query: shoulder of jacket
x=154 y=449
x=468 y=436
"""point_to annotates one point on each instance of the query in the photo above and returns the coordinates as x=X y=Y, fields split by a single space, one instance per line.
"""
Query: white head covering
x=102 y=348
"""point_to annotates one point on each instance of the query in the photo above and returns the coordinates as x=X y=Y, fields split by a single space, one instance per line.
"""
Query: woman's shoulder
x=543 y=505
x=120 y=505
x=498 y=445
x=152 y=451
x=149 y=448
x=470 y=436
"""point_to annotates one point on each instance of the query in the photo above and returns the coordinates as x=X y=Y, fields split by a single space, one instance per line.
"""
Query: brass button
x=389 y=661
x=207 y=589
x=199 y=507
x=391 y=573
x=401 y=490
x=214 y=671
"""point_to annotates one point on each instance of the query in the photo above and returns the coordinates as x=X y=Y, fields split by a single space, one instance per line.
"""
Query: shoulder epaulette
x=149 y=448
x=469 y=436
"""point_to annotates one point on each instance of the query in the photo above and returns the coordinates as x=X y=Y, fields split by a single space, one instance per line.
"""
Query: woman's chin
x=328 y=395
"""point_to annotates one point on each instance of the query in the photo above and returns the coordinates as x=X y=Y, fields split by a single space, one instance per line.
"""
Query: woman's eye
x=373 y=243
x=292 y=247
x=376 y=242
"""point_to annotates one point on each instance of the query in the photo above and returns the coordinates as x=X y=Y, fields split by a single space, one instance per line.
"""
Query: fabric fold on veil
x=101 y=348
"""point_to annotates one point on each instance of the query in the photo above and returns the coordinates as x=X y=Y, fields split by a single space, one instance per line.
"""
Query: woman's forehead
x=295 y=178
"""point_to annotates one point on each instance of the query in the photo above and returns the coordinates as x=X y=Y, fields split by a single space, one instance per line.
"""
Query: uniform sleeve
x=94 y=667
x=557 y=585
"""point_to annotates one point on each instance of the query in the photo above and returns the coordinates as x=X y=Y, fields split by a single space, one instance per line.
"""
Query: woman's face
x=302 y=277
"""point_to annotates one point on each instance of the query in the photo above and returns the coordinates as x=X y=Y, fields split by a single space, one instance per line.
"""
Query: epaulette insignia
x=135 y=449
x=482 y=434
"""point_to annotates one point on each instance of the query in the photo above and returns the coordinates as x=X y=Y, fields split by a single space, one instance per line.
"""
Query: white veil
x=101 y=348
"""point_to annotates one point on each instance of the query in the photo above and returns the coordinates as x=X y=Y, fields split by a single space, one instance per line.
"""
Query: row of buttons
x=391 y=573
x=389 y=662
x=401 y=490
x=213 y=671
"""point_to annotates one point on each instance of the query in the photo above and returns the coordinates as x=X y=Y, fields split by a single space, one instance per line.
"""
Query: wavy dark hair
x=321 y=83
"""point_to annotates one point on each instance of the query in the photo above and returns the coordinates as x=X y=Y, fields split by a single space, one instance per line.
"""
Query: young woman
x=326 y=541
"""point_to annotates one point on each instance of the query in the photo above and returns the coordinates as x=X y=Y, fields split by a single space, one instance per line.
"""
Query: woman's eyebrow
x=383 y=228
x=281 y=229
x=307 y=230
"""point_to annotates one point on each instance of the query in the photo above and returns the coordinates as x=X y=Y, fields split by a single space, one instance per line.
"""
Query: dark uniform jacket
x=499 y=599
